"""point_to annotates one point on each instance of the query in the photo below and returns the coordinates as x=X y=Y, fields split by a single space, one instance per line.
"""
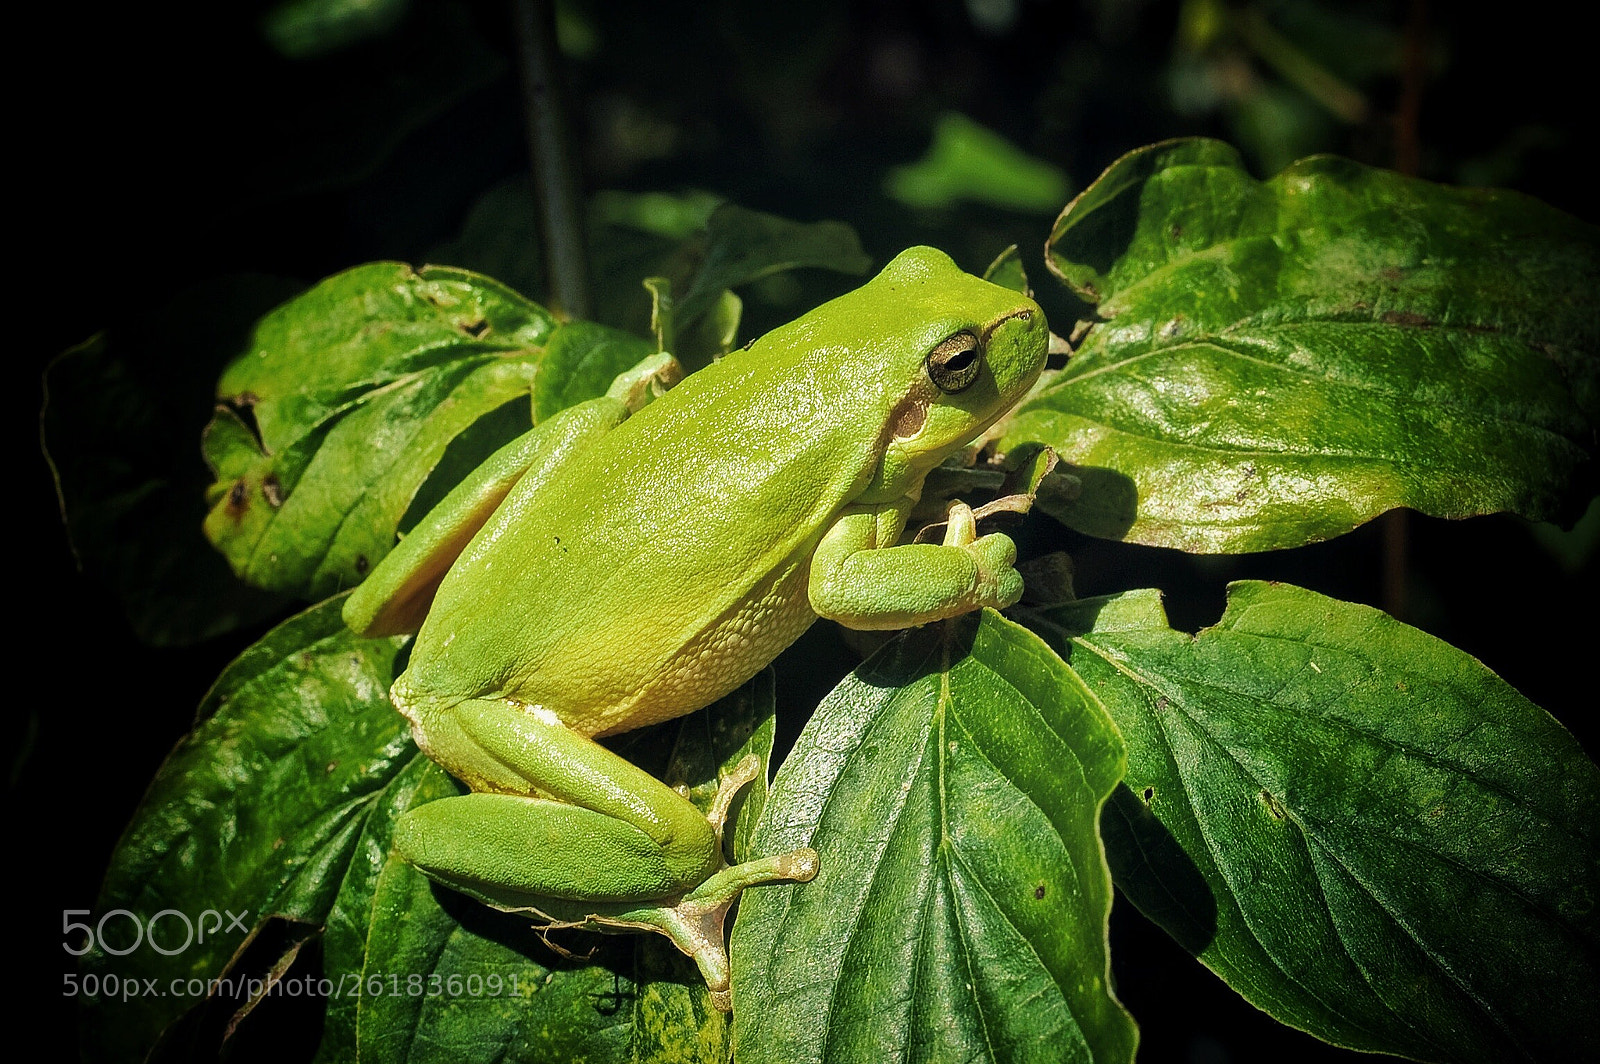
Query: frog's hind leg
x=561 y=826
x=550 y=801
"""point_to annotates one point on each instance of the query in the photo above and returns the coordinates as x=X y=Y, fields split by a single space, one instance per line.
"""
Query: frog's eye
x=955 y=363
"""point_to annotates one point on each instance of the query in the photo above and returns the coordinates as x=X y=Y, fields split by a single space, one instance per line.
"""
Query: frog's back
x=668 y=562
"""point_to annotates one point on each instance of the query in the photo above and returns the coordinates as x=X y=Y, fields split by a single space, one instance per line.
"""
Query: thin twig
x=1407 y=160
x=555 y=171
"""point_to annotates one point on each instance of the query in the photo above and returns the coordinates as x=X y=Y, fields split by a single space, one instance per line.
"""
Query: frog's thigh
x=511 y=850
x=521 y=751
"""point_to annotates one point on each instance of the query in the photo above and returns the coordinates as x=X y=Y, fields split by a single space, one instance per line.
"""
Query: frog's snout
x=1017 y=344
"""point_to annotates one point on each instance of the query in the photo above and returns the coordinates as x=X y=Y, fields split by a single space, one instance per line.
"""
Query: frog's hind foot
x=743 y=774
x=697 y=924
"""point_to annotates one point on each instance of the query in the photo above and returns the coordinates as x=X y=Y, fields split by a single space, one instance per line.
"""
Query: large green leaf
x=1282 y=360
x=952 y=787
x=431 y=975
x=1364 y=831
x=350 y=397
x=255 y=814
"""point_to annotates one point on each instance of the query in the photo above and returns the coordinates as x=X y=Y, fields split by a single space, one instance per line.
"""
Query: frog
x=640 y=555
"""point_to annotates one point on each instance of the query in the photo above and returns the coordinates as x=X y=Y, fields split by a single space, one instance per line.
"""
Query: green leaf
x=677 y=216
x=458 y=981
x=701 y=245
x=1361 y=829
x=967 y=163
x=1008 y=271
x=630 y=235
x=344 y=941
x=255 y=813
x=742 y=245
x=1281 y=361
x=952 y=787
x=581 y=362
x=357 y=391
x=305 y=29
x=739 y=246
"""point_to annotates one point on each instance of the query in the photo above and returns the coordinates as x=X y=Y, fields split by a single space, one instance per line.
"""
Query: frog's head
x=969 y=351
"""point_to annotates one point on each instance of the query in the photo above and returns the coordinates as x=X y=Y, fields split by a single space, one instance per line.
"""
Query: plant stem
x=1407 y=160
x=555 y=174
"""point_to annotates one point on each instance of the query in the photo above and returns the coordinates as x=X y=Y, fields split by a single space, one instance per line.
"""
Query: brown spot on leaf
x=475 y=329
x=272 y=490
x=1038 y=892
x=238 y=499
x=1391 y=273
x=1149 y=795
x=1404 y=317
x=362 y=565
x=1177 y=231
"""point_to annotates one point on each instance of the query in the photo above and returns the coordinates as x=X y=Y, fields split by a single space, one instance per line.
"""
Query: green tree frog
x=628 y=562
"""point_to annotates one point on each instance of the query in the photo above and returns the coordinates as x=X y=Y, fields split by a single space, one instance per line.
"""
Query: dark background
x=172 y=146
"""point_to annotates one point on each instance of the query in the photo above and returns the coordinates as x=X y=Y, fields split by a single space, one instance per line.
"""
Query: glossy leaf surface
x=951 y=786
x=1364 y=831
x=1283 y=360
x=353 y=393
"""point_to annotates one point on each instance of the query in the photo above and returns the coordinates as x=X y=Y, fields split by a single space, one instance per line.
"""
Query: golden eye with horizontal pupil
x=954 y=364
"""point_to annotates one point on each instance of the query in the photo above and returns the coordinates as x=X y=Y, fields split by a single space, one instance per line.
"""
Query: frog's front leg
x=561 y=826
x=862 y=580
